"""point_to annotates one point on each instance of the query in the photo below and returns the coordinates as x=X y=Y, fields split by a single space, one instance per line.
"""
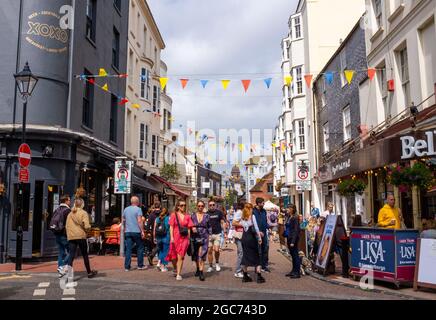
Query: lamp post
x=26 y=83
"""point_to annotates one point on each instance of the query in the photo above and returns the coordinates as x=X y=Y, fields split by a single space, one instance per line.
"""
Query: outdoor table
x=390 y=254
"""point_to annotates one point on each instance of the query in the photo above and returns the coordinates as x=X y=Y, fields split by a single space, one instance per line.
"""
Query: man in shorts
x=218 y=224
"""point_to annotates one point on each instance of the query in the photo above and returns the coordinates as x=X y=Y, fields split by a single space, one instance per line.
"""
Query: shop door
x=406 y=207
x=38 y=204
x=52 y=194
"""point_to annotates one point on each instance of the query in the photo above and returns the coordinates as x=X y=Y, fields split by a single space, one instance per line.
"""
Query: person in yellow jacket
x=390 y=217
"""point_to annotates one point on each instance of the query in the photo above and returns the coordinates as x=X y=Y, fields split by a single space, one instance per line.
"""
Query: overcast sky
x=224 y=39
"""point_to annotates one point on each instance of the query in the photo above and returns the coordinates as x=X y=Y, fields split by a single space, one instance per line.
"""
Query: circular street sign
x=24 y=155
x=123 y=174
x=303 y=174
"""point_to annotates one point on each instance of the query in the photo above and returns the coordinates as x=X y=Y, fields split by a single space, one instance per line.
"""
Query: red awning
x=171 y=186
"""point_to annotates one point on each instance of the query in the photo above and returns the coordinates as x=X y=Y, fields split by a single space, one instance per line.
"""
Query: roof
x=171 y=186
x=256 y=159
x=266 y=178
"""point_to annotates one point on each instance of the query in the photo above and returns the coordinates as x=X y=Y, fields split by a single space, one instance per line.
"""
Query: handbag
x=184 y=231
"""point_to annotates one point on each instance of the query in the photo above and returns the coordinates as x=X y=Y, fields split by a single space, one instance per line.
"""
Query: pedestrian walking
x=161 y=235
x=77 y=227
x=180 y=224
x=251 y=245
x=237 y=235
x=292 y=225
x=134 y=233
x=155 y=211
x=57 y=226
x=261 y=217
x=200 y=238
x=218 y=222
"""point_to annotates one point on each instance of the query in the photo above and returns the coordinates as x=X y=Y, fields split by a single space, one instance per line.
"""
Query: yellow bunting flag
x=136 y=106
x=105 y=87
x=349 y=74
x=288 y=80
x=225 y=83
x=283 y=147
x=213 y=146
x=163 y=82
x=241 y=147
x=102 y=73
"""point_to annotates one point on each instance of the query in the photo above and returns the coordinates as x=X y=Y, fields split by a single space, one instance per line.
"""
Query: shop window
x=116 y=49
x=346 y=117
x=91 y=13
x=53 y=202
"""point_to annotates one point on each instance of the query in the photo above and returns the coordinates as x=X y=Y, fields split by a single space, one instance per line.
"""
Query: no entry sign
x=24 y=155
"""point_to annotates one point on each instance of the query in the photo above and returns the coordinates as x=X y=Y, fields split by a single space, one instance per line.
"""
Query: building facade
x=256 y=167
x=74 y=129
x=264 y=188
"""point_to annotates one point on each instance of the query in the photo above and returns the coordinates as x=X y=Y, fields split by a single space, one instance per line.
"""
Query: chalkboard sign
x=425 y=274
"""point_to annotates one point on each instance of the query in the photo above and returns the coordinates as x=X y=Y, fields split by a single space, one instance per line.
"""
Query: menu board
x=425 y=275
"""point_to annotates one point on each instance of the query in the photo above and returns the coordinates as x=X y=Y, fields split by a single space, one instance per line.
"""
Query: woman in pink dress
x=180 y=225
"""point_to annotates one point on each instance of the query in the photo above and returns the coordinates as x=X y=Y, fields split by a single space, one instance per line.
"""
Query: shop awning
x=144 y=184
x=171 y=186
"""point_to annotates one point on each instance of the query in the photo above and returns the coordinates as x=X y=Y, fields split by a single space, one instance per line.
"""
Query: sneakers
x=164 y=269
x=239 y=275
x=158 y=264
x=210 y=269
x=175 y=273
x=62 y=271
x=179 y=278
x=92 y=274
x=266 y=270
x=126 y=270
x=217 y=267
x=142 y=268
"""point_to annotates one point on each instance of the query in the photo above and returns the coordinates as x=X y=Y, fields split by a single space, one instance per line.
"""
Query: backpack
x=57 y=225
x=161 y=230
x=273 y=217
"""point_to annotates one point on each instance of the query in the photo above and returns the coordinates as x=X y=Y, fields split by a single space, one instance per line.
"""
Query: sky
x=226 y=39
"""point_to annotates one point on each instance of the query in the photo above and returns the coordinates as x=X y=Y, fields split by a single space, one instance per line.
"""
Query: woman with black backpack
x=200 y=238
x=161 y=236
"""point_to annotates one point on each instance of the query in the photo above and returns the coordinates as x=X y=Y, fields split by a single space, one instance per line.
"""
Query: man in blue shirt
x=261 y=219
x=133 y=233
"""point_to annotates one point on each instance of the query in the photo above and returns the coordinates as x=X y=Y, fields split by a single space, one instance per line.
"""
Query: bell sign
x=411 y=147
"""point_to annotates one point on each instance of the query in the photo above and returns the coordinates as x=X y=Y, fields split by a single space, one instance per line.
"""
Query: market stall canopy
x=270 y=206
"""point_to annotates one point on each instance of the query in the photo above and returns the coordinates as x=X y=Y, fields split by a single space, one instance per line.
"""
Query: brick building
x=264 y=188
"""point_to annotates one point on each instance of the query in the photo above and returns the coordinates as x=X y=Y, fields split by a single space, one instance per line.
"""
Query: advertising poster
x=406 y=254
x=326 y=242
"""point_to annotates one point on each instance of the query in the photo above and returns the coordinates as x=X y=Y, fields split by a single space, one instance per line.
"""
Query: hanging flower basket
x=351 y=186
x=418 y=175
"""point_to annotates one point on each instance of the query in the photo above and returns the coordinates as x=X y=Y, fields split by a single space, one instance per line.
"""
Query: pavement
x=39 y=280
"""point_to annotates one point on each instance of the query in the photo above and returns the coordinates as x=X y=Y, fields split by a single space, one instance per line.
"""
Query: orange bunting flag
x=288 y=80
x=225 y=83
x=349 y=74
x=184 y=82
x=163 y=82
x=102 y=73
x=371 y=73
x=246 y=84
x=105 y=87
x=308 y=78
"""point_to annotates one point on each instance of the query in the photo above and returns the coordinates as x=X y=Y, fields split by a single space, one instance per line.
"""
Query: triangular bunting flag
x=329 y=77
x=246 y=84
x=233 y=146
x=91 y=80
x=225 y=83
x=288 y=80
x=268 y=82
x=163 y=82
x=371 y=73
x=241 y=147
x=123 y=101
x=136 y=106
x=204 y=83
x=102 y=73
x=349 y=74
x=105 y=87
x=184 y=82
x=125 y=75
x=308 y=78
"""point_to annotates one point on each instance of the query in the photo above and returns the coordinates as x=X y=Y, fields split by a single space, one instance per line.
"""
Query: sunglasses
x=212 y=205
x=200 y=206
x=182 y=205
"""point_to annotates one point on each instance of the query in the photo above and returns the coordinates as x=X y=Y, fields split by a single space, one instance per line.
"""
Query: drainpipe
x=70 y=68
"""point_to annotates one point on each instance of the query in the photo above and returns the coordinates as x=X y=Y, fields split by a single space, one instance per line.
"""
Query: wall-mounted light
x=48 y=151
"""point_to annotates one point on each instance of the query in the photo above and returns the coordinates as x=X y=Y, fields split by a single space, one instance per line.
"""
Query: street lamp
x=26 y=83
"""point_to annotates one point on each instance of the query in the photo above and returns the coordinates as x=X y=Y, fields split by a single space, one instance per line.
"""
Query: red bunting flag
x=308 y=78
x=184 y=82
x=125 y=75
x=246 y=84
x=123 y=101
x=371 y=73
x=91 y=81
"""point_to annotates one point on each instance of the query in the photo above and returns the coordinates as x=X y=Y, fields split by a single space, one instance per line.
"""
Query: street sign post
x=303 y=181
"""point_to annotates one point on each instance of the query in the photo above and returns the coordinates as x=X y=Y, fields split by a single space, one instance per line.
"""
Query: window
x=383 y=85
x=211 y=187
x=323 y=92
x=88 y=103
x=113 y=119
x=131 y=67
x=116 y=49
x=404 y=73
x=346 y=115
x=343 y=58
x=145 y=41
x=188 y=180
x=378 y=12
x=169 y=121
x=145 y=84
x=91 y=14
x=301 y=136
x=154 y=151
x=297 y=26
x=143 y=141
x=202 y=181
x=326 y=136
x=251 y=182
x=270 y=188
x=165 y=120
x=299 y=77
x=156 y=99
x=117 y=4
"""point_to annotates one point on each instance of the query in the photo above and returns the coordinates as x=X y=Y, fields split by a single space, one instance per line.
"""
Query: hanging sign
x=123 y=177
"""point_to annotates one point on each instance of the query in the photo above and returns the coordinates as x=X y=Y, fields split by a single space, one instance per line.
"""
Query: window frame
x=346 y=127
x=116 y=49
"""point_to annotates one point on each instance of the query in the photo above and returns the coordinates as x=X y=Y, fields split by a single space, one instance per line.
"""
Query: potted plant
x=350 y=187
